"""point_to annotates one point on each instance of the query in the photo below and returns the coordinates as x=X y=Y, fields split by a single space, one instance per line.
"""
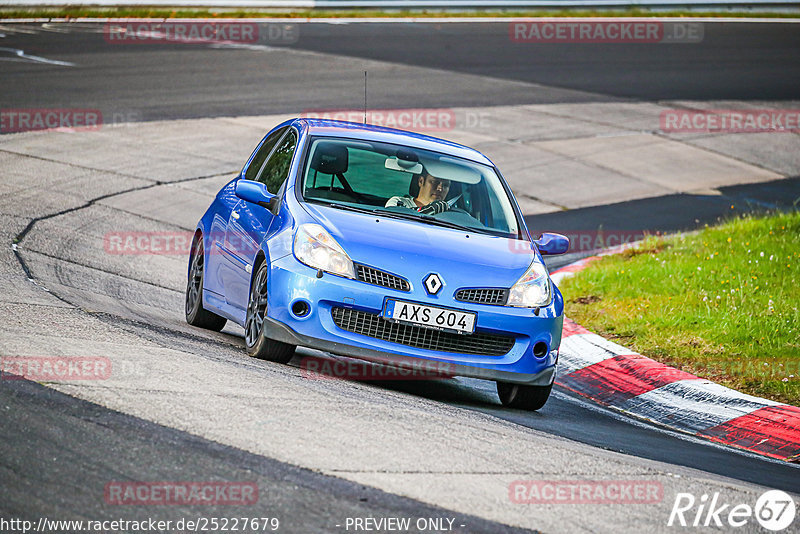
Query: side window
x=276 y=170
x=261 y=155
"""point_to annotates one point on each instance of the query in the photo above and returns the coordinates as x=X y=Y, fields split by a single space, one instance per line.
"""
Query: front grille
x=495 y=296
x=376 y=277
x=373 y=325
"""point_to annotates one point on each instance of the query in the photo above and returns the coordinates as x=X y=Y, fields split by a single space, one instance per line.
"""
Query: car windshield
x=412 y=183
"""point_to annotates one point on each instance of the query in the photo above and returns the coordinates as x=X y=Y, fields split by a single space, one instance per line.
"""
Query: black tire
x=196 y=315
x=259 y=346
x=523 y=397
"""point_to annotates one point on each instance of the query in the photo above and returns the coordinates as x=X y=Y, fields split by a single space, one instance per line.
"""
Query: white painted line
x=396 y=20
x=582 y=350
x=56 y=28
x=634 y=420
x=17 y=29
x=34 y=59
x=242 y=46
x=693 y=405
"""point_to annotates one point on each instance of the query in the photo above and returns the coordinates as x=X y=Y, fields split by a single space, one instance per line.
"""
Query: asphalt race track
x=410 y=65
x=189 y=405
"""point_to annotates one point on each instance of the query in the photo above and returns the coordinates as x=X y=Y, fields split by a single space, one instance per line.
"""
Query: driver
x=430 y=199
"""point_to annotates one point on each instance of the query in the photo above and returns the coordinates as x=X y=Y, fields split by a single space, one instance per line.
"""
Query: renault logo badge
x=433 y=283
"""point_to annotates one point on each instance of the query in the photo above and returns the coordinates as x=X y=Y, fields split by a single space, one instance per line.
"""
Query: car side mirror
x=551 y=244
x=255 y=192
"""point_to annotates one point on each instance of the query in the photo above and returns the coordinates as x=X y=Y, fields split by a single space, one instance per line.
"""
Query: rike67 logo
x=774 y=510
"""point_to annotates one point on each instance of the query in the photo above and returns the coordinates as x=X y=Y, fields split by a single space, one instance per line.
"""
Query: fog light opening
x=300 y=308
x=540 y=349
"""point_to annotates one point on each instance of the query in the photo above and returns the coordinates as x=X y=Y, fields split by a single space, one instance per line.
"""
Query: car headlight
x=315 y=247
x=533 y=289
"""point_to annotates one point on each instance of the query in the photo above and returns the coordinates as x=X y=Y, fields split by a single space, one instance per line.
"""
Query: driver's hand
x=437 y=206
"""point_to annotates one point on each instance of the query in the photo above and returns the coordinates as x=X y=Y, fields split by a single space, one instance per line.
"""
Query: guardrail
x=413 y=4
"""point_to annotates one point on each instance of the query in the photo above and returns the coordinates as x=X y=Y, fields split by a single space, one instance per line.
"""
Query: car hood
x=414 y=249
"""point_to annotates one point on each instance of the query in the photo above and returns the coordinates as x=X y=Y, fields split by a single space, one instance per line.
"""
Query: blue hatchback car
x=383 y=245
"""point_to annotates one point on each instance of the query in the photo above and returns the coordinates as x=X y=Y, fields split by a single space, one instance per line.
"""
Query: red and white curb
x=617 y=377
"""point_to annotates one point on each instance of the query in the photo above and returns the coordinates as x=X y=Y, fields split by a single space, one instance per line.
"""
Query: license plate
x=430 y=316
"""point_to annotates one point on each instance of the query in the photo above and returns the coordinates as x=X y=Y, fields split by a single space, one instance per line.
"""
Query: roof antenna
x=365 y=97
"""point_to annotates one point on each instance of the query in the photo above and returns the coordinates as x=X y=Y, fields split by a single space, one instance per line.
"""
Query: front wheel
x=196 y=315
x=523 y=397
x=259 y=346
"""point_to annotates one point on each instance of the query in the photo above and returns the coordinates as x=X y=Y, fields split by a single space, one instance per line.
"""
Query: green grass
x=721 y=303
x=160 y=12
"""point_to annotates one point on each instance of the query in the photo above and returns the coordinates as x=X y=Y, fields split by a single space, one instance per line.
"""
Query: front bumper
x=290 y=281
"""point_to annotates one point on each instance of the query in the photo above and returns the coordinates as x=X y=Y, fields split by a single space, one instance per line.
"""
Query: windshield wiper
x=448 y=224
x=409 y=217
x=430 y=220
x=346 y=207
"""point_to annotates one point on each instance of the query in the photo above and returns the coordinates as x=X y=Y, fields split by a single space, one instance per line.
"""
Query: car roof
x=369 y=132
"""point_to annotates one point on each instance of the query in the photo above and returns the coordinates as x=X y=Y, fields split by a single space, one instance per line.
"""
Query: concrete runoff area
x=160 y=176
